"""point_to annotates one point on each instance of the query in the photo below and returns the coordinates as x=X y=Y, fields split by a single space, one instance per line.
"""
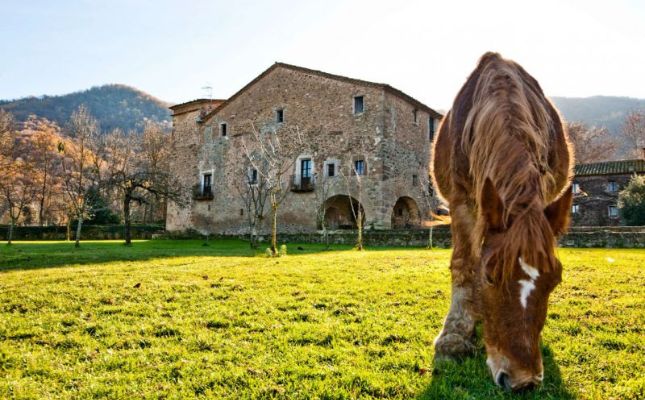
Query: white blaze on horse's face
x=527 y=285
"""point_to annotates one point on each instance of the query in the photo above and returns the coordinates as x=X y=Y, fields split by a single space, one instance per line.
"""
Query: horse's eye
x=488 y=280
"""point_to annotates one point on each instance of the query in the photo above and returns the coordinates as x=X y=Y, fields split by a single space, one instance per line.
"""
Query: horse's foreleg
x=457 y=336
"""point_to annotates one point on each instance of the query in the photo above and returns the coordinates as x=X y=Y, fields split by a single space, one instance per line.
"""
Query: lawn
x=175 y=319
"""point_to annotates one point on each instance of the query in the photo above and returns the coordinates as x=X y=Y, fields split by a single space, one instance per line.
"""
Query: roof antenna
x=208 y=90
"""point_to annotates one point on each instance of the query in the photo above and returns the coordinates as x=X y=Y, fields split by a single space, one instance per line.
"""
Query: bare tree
x=137 y=173
x=274 y=157
x=253 y=191
x=77 y=165
x=17 y=191
x=590 y=144
x=634 y=132
x=355 y=180
x=431 y=203
x=17 y=187
x=43 y=139
x=324 y=185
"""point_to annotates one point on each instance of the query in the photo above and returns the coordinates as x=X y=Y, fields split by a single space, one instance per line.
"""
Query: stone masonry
x=392 y=137
x=596 y=187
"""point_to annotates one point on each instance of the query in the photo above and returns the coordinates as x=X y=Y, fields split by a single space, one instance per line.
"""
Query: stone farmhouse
x=596 y=187
x=371 y=129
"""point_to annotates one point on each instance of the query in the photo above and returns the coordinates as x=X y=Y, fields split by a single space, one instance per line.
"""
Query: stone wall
x=584 y=237
x=89 y=232
x=186 y=148
x=320 y=108
x=594 y=199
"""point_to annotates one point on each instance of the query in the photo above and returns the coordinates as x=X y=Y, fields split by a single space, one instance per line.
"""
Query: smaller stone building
x=595 y=190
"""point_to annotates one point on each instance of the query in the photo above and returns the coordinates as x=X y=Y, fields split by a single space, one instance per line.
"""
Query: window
x=430 y=129
x=359 y=167
x=223 y=129
x=575 y=209
x=415 y=180
x=279 y=116
x=207 y=184
x=331 y=170
x=613 y=211
x=399 y=212
x=358 y=105
x=305 y=168
x=575 y=188
x=612 y=186
x=253 y=176
x=241 y=212
x=414 y=116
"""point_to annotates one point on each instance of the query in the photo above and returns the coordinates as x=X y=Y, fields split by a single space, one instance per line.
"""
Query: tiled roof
x=383 y=86
x=194 y=105
x=188 y=103
x=611 y=168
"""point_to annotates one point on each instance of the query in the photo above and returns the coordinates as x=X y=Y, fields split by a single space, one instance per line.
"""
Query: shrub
x=631 y=201
x=283 y=250
x=268 y=252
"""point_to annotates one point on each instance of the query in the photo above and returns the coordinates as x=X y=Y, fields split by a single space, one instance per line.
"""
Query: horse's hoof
x=452 y=346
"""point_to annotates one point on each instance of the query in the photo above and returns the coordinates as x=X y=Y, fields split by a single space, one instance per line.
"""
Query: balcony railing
x=205 y=193
x=302 y=183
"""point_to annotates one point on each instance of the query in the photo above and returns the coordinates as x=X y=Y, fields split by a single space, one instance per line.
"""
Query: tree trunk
x=359 y=225
x=41 y=211
x=10 y=234
x=43 y=195
x=79 y=224
x=274 y=229
x=430 y=238
x=253 y=235
x=69 y=229
x=127 y=234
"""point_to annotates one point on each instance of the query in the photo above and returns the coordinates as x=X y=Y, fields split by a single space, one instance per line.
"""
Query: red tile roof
x=611 y=168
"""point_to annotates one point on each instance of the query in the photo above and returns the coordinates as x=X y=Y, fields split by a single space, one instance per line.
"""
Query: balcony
x=300 y=184
x=202 y=194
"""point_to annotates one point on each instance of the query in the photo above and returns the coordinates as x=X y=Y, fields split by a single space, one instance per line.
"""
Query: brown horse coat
x=503 y=163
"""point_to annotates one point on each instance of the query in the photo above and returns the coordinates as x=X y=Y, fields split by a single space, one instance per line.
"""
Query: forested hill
x=606 y=111
x=114 y=106
x=601 y=111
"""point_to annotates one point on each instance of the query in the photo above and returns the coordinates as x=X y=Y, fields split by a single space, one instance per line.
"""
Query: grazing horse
x=503 y=162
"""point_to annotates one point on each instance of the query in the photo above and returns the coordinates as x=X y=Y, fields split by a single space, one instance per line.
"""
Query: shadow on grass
x=470 y=379
x=33 y=255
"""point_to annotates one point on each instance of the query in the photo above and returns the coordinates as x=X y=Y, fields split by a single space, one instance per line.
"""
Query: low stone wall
x=397 y=238
x=607 y=237
x=89 y=232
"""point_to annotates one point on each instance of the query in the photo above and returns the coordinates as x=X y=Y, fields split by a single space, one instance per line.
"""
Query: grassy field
x=175 y=319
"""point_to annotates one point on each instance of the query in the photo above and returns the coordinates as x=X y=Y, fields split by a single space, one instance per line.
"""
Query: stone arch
x=405 y=213
x=338 y=212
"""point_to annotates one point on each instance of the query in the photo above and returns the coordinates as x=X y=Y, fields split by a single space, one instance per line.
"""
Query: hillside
x=604 y=111
x=114 y=106
x=601 y=111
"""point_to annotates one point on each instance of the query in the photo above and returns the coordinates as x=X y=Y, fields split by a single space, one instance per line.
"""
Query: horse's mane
x=507 y=136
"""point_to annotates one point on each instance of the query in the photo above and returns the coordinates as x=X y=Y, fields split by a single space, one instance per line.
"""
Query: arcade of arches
x=405 y=214
x=338 y=212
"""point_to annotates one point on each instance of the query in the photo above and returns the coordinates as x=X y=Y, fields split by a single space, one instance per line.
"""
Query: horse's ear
x=557 y=213
x=492 y=206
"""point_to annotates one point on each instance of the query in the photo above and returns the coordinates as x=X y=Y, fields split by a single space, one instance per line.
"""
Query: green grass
x=220 y=322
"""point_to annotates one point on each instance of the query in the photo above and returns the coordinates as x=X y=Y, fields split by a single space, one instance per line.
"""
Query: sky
x=173 y=49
